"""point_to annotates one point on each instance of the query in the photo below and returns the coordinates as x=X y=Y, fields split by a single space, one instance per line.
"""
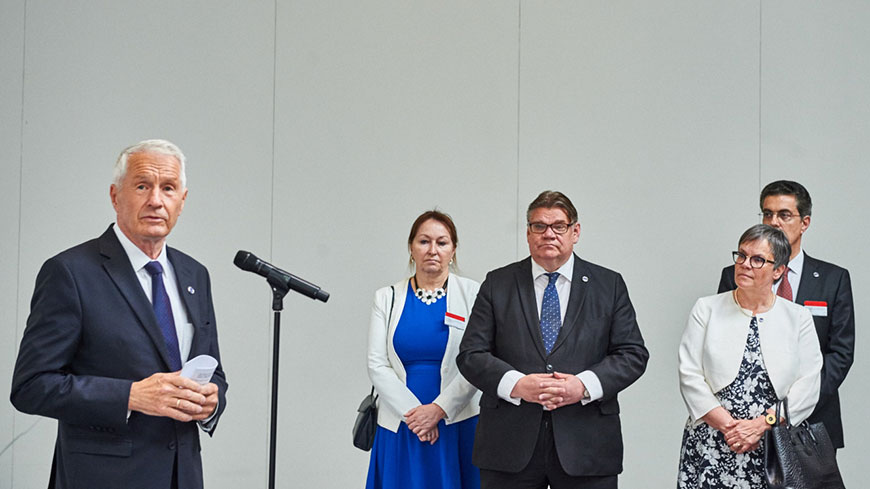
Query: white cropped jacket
x=712 y=349
x=458 y=398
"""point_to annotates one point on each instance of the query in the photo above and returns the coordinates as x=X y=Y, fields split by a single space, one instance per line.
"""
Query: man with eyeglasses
x=551 y=341
x=824 y=288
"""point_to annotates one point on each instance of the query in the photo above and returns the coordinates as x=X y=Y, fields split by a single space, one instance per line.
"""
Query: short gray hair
x=149 y=146
x=775 y=238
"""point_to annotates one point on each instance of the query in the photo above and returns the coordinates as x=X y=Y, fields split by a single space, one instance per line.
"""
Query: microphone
x=250 y=263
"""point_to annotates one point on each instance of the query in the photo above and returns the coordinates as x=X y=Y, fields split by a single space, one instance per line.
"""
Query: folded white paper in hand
x=200 y=369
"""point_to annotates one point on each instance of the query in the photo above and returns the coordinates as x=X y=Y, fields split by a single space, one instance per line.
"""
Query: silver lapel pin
x=190 y=289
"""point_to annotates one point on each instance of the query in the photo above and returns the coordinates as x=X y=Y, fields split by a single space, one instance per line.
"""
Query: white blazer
x=458 y=398
x=714 y=341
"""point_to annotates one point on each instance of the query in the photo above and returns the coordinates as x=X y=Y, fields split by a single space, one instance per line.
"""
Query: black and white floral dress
x=706 y=461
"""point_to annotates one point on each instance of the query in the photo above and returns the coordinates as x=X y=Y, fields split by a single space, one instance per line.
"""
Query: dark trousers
x=174 y=483
x=544 y=470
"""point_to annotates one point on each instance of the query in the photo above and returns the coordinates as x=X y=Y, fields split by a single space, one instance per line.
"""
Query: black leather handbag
x=800 y=457
x=366 y=422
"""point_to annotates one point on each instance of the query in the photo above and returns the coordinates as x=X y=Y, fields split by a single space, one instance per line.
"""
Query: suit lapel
x=528 y=303
x=186 y=285
x=575 y=302
x=808 y=288
x=118 y=266
x=187 y=289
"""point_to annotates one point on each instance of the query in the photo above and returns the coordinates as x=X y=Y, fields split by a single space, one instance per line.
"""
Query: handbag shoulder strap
x=784 y=404
x=389 y=318
x=392 y=302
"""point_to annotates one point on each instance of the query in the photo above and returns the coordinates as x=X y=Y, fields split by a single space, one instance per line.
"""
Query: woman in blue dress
x=741 y=352
x=427 y=412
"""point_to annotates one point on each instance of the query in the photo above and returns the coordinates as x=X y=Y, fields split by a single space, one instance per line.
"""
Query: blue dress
x=400 y=460
x=706 y=461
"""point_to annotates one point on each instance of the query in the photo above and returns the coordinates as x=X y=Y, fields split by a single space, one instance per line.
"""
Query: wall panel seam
x=760 y=53
x=20 y=210
x=519 y=113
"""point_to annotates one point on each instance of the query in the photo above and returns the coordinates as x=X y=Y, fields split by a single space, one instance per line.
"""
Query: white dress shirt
x=594 y=390
x=183 y=326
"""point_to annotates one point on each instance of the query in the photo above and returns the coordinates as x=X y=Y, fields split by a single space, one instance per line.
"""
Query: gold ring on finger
x=177 y=403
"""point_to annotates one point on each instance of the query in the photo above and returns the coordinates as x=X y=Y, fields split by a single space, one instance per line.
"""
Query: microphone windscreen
x=245 y=260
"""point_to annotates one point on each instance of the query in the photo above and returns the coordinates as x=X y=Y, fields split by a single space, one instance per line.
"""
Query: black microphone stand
x=279 y=290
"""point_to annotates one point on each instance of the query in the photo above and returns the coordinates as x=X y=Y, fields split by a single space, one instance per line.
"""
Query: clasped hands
x=170 y=395
x=551 y=391
x=423 y=421
x=744 y=435
x=741 y=435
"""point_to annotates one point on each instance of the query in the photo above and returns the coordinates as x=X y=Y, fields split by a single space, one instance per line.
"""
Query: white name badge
x=817 y=308
x=454 y=320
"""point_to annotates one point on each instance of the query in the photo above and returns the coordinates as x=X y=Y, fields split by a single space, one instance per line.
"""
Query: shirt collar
x=566 y=270
x=797 y=264
x=138 y=258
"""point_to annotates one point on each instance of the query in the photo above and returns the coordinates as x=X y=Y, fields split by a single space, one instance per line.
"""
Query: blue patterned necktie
x=551 y=316
x=163 y=312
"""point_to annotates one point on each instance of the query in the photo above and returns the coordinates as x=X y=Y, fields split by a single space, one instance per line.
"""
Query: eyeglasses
x=557 y=227
x=783 y=216
x=755 y=261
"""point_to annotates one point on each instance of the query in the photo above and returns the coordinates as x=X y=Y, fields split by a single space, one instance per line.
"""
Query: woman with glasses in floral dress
x=740 y=353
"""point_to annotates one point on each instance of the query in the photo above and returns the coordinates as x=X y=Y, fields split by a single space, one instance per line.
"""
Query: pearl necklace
x=429 y=296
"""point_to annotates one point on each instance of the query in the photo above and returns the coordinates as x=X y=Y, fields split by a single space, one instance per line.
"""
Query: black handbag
x=366 y=423
x=800 y=457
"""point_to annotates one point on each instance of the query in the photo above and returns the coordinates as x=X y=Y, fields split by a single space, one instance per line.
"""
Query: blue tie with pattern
x=163 y=311
x=551 y=316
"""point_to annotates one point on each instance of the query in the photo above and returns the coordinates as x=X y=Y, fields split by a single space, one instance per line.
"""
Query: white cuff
x=208 y=423
x=507 y=384
x=594 y=391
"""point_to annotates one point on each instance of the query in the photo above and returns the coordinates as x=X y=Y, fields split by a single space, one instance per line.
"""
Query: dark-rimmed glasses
x=557 y=227
x=755 y=261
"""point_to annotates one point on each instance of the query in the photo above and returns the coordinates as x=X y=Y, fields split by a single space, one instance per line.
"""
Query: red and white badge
x=817 y=308
x=454 y=320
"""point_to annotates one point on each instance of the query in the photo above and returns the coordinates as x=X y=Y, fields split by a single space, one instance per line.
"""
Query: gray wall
x=317 y=131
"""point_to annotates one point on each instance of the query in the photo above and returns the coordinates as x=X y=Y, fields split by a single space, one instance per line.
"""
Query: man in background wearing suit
x=551 y=341
x=824 y=288
x=111 y=322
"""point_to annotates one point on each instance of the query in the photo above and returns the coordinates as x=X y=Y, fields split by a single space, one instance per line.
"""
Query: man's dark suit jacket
x=599 y=333
x=825 y=282
x=91 y=333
